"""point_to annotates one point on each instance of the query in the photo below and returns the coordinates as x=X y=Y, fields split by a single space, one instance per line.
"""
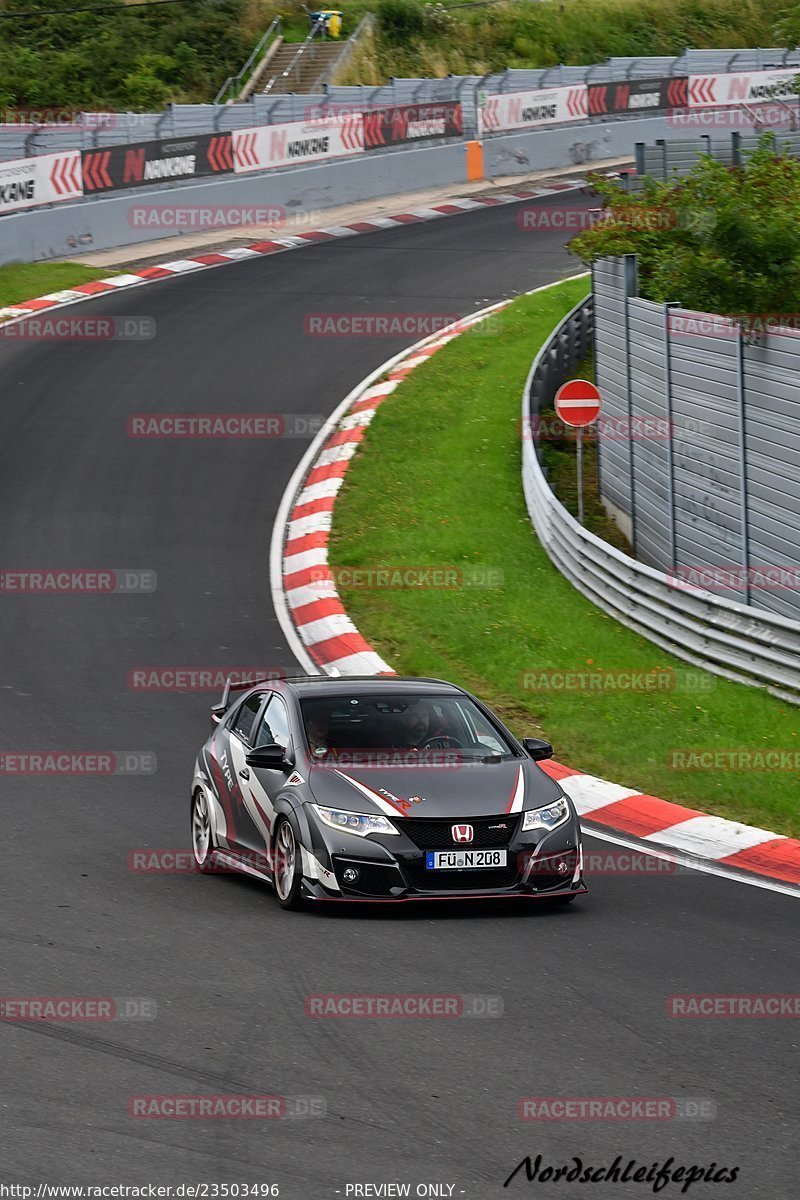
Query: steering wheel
x=441 y=741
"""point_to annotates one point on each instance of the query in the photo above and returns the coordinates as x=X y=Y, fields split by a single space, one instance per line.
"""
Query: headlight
x=352 y=822
x=546 y=818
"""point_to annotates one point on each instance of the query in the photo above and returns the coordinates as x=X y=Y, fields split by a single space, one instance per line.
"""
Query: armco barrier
x=733 y=640
x=23 y=136
x=115 y=219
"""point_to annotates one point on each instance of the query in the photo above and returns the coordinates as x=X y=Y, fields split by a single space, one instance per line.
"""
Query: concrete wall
x=66 y=230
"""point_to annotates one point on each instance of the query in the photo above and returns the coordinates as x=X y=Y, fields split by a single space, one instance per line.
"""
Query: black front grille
x=478 y=880
x=435 y=833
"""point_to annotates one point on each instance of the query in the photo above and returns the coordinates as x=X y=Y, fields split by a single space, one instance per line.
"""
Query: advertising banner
x=47 y=179
x=270 y=146
x=142 y=164
x=638 y=95
x=412 y=123
x=523 y=110
x=742 y=87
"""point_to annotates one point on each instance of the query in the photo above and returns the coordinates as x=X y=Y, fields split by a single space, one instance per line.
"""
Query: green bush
x=399 y=20
x=126 y=58
x=721 y=240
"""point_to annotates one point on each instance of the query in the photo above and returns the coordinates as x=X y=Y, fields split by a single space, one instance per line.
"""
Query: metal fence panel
x=610 y=290
x=734 y=640
x=650 y=451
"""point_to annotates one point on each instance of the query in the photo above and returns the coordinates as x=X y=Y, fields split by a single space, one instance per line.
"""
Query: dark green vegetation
x=432 y=39
x=138 y=58
x=722 y=240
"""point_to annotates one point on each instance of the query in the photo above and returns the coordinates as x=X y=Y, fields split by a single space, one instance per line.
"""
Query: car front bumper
x=380 y=868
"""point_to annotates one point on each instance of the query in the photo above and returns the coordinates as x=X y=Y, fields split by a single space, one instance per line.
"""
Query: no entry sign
x=578 y=403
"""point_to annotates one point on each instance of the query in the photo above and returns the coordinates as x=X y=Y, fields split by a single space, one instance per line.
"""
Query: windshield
x=418 y=724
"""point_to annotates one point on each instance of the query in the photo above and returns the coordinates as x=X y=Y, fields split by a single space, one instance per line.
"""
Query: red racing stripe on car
x=224 y=798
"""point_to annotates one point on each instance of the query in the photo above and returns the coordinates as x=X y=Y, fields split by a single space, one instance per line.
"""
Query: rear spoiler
x=219 y=710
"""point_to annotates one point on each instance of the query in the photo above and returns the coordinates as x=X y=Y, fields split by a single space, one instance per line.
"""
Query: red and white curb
x=219 y=258
x=330 y=640
x=325 y=640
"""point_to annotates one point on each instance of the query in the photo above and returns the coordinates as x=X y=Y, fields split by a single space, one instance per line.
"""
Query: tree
x=722 y=239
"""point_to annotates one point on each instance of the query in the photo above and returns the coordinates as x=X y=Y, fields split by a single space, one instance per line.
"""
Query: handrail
x=316 y=28
x=228 y=90
x=365 y=26
x=737 y=641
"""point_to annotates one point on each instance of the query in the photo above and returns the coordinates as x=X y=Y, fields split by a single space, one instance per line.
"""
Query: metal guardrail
x=232 y=87
x=665 y=160
x=95 y=130
x=736 y=641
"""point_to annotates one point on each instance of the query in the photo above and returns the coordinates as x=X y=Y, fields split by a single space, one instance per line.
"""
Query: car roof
x=317 y=687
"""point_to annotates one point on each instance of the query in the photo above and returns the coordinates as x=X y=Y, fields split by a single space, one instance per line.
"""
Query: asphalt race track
x=584 y=989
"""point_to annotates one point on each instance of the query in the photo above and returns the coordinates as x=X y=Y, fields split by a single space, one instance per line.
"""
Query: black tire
x=202 y=845
x=287 y=874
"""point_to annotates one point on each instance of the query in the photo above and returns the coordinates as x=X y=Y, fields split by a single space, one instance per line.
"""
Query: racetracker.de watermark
x=48 y=582
x=615 y=429
x=402 y=1006
x=739 y=758
x=391 y=759
x=224 y=425
x=62 y=118
x=78 y=1008
x=594 y=679
x=198 y=679
x=213 y=216
x=750 y=117
x=752 y=326
x=404 y=576
x=236 y=1107
x=570 y=218
x=759 y=1006
x=78 y=762
x=616 y=1108
x=80 y=329
x=599 y=862
x=150 y=861
x=733 y=577
x=408 y=324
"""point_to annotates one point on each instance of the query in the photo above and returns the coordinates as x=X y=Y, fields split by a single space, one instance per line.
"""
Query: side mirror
x=272 y=757
x=537 y=748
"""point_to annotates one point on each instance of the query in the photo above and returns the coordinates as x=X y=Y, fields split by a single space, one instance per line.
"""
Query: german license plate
x=464 y=860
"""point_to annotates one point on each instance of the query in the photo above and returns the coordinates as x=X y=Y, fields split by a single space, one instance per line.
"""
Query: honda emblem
x=462 y=833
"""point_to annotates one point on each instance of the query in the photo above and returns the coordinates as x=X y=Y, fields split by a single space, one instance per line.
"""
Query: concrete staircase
x=316 y=58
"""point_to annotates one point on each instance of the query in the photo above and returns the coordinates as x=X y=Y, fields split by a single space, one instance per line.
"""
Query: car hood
x=462 y=790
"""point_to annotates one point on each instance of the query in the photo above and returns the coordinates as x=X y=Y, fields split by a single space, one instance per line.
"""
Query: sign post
x=578 y=405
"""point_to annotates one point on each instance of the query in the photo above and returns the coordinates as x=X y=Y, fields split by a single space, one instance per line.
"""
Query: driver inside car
x=419 y=724
x=317 y=732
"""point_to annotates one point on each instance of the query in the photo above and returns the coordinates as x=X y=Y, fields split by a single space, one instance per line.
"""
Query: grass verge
x=437 y=483
x=26 y=281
